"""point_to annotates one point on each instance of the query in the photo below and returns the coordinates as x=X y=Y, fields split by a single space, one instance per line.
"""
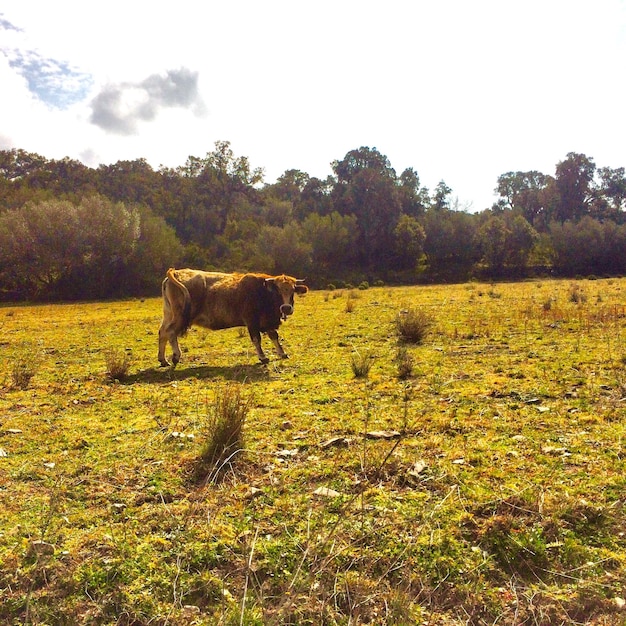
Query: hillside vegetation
x=475 y=477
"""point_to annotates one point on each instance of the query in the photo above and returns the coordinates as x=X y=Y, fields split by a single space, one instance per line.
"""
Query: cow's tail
x=183 y=315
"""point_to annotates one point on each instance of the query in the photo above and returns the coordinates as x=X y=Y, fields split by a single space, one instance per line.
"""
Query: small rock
x=254 y=492
x=334 y=441
x=3 y=453
x=620 y=603
x=383 y=434
x=286 y=425
x=287 y=453
x=326 y=492
x=191 y=608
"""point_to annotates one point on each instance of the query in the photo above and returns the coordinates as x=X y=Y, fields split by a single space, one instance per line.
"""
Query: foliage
x=70 y=231
x=97 y=248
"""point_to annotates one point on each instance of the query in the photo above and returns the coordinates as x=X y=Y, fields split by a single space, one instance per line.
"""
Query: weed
x=223 y=429
x=118 y=364
x=413 y=325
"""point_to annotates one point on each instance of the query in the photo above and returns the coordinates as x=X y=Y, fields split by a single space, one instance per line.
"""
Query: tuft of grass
x=350 y=304
x=413 y=325
x=224 y=427
x=404 y=362
x=23 y=370
x=118 y=364
x=577 y=295
x=361 y=364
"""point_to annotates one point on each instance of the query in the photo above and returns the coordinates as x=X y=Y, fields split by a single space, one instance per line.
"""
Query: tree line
x=68 y=231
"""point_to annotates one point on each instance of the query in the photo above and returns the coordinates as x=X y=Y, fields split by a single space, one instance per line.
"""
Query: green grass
x=496 y=496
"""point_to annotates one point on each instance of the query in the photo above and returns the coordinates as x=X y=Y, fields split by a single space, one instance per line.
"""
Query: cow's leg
x=167 y=332
x=255 y=336
x=273 y=335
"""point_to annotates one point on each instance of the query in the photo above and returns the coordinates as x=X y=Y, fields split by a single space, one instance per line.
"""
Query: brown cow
x=216 y=300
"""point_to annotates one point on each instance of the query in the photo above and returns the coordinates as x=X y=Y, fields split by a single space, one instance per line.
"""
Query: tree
x=588 y=246
x=367 y=188
x=333 y=239
x=409 y=242
x=506 y=239
x=94 y=249
x=441 y=198
x=282 y=250
x=528 y=194
x=610 y=201
x=492 y=236
x=413 y=198
x=451 y=245
x=574 y=178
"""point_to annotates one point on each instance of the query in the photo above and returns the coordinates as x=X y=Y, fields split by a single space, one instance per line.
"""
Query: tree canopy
x=71 y=231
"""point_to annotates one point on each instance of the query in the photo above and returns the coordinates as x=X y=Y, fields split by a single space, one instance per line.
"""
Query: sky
x=459 y=91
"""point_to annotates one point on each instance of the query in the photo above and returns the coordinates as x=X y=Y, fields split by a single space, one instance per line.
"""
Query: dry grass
x=486 y=487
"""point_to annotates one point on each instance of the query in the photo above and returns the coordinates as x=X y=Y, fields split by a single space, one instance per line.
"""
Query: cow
x=217 y=300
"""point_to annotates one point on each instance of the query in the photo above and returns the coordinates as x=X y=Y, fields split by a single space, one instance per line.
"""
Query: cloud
x=55 y=82
x=118 y=108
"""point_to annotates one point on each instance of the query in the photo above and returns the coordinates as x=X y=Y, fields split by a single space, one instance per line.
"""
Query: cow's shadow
x=238 y=373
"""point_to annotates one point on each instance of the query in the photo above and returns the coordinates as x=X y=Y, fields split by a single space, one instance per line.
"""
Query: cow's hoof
x=264 y=361
x=164 y=363
x=284 y=356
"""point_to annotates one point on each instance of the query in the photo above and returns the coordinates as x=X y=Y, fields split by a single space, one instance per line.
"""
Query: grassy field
x=475 y=478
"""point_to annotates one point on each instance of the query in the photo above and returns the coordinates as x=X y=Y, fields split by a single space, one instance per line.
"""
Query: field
x=475 y=477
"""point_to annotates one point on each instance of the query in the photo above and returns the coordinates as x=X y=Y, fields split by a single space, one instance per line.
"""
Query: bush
x=413 y=325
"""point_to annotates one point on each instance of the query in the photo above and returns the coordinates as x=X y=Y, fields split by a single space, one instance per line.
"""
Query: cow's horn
x=300 y=281
x=270 y=280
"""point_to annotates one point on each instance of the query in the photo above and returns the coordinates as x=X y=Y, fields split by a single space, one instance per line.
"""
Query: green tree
x=574 y=185
x=409 y=242
x=367 y=188
x=530 y=194
x=282 y=250
x=333 y=239
x=451 y=244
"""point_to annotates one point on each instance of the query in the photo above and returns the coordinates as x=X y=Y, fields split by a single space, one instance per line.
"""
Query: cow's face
x=285 y=287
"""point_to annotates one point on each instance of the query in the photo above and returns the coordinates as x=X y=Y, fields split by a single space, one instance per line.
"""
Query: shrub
x=413 y=325
x=118 y=363
x=364 y=285
x=224 y=426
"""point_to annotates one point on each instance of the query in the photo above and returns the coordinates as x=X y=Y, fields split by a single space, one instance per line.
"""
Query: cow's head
x=286 y=287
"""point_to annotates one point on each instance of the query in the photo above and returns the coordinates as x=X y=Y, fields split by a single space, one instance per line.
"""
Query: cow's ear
x=301 y=289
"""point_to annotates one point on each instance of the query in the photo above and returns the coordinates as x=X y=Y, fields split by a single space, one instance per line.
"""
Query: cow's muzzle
x=285 y=310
